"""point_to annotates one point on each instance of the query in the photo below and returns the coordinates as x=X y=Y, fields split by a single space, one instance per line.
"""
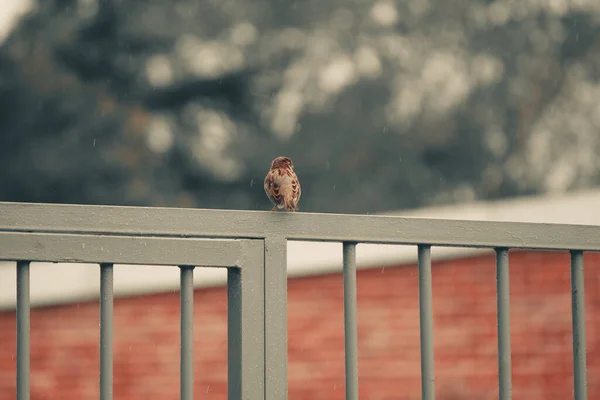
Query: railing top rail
x=177 y=222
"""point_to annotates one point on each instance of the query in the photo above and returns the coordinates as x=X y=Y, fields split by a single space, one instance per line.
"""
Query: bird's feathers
x=282 y=186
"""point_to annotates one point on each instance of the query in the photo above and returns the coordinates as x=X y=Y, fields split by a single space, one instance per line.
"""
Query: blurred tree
x=382 y=105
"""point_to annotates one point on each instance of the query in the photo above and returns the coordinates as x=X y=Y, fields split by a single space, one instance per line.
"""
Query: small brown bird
x=282 y=186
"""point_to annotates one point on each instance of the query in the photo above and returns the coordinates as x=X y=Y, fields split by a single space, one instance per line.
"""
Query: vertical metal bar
x=579 y=345
x=350 y=321
x=106 y=331
x=276 y=387
x=503 y=304
x=23 y=308
x=245 y=326
x=186 y=303
x=426 y=318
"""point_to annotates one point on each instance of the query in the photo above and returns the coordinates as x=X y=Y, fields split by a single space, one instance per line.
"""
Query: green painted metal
x=276 y=318
x=246 y=326
x=186 y=306
x=503 y=304
x=118 y=249
x=426 y=325
x=350 y=321
x=253 y=246
x=155 y=221
x=106 y=331
x=23 y=357
x=579 y=346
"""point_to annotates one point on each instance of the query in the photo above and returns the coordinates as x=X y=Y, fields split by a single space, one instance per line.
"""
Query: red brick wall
x=64 y=340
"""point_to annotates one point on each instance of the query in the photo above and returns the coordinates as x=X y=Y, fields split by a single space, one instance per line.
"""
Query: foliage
x=382 y=105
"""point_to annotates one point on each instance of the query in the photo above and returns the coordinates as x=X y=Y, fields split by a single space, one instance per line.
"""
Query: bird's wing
x=272 y=188
x=296 y=188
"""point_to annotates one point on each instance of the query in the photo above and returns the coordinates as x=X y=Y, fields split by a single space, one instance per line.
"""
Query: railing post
x=426 y=326
x=579 y=345
x=186 y=305
x=23 y=315
x=246 y=324
x=106 y=331
x=503 y=305
x=276 y=318
x=350 y=321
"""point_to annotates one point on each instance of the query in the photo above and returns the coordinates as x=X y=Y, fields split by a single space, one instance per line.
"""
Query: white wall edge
x=53 y=284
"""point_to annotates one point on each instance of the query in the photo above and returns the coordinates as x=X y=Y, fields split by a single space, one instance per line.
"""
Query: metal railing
x=252 y=245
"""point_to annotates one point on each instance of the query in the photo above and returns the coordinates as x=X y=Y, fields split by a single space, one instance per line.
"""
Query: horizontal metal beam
x=154 y=221
x=120 y=249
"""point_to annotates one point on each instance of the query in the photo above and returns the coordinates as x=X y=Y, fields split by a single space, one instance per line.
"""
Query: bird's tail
x=290 y=204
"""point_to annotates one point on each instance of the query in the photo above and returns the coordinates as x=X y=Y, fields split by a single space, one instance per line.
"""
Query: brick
x=65 y=356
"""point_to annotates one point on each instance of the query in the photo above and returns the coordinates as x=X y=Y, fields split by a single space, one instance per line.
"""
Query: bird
x=282 y=186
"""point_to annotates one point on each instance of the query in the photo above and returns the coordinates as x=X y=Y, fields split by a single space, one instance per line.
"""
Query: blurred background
x=431 y=105
x=185 y=103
